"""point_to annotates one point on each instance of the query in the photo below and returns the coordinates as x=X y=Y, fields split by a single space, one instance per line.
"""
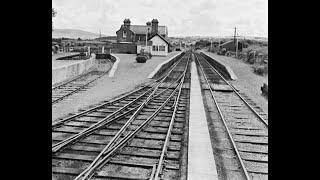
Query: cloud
x=187 y=17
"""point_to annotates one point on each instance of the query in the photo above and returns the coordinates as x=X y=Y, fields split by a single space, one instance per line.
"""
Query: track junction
x=144 y=133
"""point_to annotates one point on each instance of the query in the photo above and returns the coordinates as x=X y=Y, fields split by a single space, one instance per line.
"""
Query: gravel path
x=127 y=77
x=247 y=81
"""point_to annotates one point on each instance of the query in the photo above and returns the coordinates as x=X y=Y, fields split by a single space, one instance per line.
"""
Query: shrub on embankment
x=260 y=69
x=264 y=90
x=141 y=59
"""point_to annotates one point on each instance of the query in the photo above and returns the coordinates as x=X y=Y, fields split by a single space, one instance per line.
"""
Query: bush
x=264 y=89
x=149 y=55
x=141 y=58
x=261 y=69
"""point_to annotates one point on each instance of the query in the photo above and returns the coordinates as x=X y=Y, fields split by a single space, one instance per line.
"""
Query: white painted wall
x=146 y=49
x=157 y=41
x=63 y=73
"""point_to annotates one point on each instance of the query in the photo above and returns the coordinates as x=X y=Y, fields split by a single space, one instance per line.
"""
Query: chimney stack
x=154 y=26
x=126 y=23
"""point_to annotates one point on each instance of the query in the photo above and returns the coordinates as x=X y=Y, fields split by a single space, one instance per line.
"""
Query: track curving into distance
x=239 y=133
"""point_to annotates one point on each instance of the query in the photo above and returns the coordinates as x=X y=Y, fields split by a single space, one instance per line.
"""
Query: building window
x=124 y=34
x=154 y=48
x=162 y=48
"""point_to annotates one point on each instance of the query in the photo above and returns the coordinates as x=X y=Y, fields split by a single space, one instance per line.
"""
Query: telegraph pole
x=236 y=48
x=147 y=37
x=236 y=41
x=234 y=37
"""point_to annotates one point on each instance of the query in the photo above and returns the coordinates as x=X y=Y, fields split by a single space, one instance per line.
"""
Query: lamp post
x=147 y=37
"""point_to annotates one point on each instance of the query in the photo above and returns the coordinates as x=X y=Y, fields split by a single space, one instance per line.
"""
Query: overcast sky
x=182 y=17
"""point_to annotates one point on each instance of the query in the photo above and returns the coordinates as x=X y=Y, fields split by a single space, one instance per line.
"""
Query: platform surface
x=128 y=75
x=201 y=163
x=62 y=63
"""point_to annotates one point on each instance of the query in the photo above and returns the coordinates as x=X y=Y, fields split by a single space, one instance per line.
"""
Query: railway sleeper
x=141 y=135
x=137 y=142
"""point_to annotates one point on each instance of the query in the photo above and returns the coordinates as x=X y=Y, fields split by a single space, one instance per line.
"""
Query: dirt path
x=247 y=81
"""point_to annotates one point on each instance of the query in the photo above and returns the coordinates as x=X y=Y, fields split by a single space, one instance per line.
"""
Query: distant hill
x=74 y=34
x=217 y=38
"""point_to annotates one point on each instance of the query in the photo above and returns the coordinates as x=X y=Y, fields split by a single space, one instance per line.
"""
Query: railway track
x=141 y=135
x=238 y=128
x=81 y=83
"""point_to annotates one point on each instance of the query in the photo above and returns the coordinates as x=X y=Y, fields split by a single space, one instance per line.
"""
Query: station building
x=136 y=33
x=150 y=37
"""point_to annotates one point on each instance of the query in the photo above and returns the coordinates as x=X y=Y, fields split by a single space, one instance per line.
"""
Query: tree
x=53 y=15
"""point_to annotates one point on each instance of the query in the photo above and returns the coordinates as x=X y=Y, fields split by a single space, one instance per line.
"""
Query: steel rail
x=59 y=146
x=79 y=88
x=224 y=122
x=125 y=140
x=117 y=136
x=58 y=86
x=107 y=152
x=55 y=124
x=103 y=122
x=56 y=147
x=71 y=80
x=165 y=146
x=154 y=168
x=87 y=173
x=254 y=111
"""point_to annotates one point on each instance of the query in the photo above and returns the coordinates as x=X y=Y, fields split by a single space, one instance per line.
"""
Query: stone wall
x=128 y=48
x=129 y=35
x=68 y=72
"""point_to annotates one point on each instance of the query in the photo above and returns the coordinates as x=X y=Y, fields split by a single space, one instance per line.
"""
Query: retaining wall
x=161 y=68
x=128 y=48
x=224 y=70
x=68 y=72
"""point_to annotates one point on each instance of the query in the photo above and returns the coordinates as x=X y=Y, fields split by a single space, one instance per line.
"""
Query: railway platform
x=126 y=77
x=201 y=163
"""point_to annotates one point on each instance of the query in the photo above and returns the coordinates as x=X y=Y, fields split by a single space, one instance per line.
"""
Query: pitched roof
x=165 y=40
x=142 y=29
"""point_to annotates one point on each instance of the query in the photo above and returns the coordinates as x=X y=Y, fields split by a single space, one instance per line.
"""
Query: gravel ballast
x=127 y=77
